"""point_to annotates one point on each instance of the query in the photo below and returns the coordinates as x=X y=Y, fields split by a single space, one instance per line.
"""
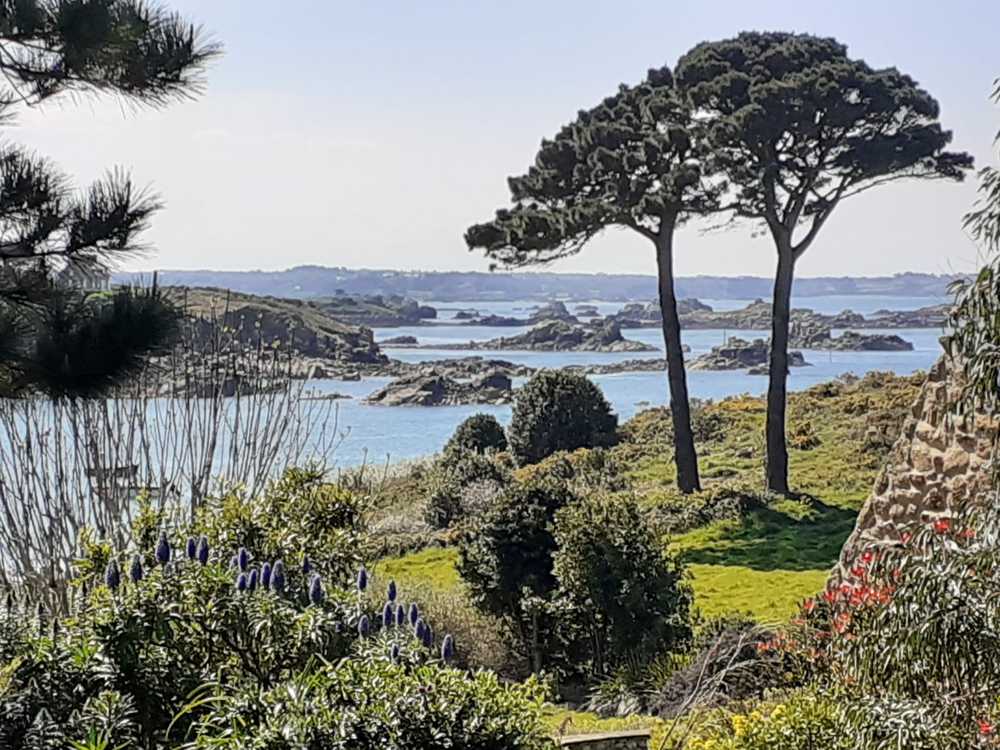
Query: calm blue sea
x=377 y=434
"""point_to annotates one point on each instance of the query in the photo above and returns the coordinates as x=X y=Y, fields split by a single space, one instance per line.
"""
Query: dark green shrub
x=507 y=564
x=559 y=411
x=480 y=433
x=621 y=594
x=464 y=488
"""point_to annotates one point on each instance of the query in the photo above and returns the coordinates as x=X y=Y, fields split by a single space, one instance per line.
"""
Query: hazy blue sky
x=372 y=133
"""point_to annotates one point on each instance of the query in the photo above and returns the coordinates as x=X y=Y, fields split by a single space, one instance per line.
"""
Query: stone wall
x=635 y=739
x=939 y=464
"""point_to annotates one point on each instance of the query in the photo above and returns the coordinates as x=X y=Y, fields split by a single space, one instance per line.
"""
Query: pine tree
x=57 y=336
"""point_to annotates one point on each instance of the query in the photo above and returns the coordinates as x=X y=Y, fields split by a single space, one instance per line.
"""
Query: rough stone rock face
x=940 y=463
x=556 y=335
x=737 y=354
x=552 y=311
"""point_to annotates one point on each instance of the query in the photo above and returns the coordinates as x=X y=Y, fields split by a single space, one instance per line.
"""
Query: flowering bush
x=173 y=641
x=804 y=721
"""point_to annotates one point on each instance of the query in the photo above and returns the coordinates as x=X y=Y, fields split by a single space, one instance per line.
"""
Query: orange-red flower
x=985 y=727
x=942 y=525
x=867 y=557
x=809 y=605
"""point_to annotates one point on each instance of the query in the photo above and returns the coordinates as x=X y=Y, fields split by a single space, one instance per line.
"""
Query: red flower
x=968 y=534
x=942 y=525
x=867 y=557
x=985 y=727
x=905 y=537
x=842 y=621
x=858 y=572
x=829 y=596
x=809 y=605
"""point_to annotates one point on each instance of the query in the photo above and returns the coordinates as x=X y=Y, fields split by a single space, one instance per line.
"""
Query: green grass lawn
x=434 y=567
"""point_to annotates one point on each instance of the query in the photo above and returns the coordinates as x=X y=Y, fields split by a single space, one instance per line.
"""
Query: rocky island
x=433 y=388
x=738 y=354
x=557 y=336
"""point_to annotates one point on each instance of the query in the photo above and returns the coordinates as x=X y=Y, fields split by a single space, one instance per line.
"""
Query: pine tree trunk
x=680 y=410
x=777 y=392
x=536 y=651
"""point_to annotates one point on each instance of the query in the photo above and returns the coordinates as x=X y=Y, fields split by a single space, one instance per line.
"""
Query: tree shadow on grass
x=773 y=538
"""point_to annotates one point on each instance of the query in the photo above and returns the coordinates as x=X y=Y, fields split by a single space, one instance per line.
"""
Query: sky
x=371 y=134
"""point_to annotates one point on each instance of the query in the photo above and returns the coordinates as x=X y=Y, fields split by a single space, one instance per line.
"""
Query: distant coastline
x=308 y=282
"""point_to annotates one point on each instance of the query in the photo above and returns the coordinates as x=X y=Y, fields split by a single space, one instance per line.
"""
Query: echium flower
x=400 y=615
x=241 y=582
x=447 y=648
x=414 y=613
x=316 y=593
x=364 y=628
x=191 y=548
x=391 y=591
x=362 y=579
x=163 y=549
x=394 y=653
x=428 y=638
x=112 y=576
x=388 y=615
x=306 y=565
x=202 y=553
x=278 y=576
x=265 y=576
x=252 y=580
x=418 y=630
x=135 y=571
x=243 y=559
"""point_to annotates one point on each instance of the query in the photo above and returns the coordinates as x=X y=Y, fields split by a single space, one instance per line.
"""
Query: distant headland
x=324 y=281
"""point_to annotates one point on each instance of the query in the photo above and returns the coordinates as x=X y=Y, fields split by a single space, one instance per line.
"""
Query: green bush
x=804 y=721
x=480 y=433
x=559 y=411
x=464 y=488
x=622 y=596
x=166 y=638
x=374 y=704
x=507 y=564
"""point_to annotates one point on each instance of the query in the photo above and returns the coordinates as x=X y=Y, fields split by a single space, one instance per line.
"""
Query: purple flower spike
x=252 y=580
x=112 y=575
x=400 y=615
x=414 y=613
x=163 y=549
x=202 y=552
x=364 y=628
x=418 y=630
x=362 y=579
x=316 y=593
x=394 y=653
x=265 y=576
x=136 y=572
x=241 y=582
x=391 y=592
x=447 y=648
x=428 y=638
x=243 y=559
x=191 y=548
x=306 y=565
x=388 y=615
x=278 y=576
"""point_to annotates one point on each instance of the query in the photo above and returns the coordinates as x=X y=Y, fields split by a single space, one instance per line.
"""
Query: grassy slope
x=772 y=558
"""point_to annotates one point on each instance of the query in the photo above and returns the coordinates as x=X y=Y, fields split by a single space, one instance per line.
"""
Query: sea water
x=380 y=434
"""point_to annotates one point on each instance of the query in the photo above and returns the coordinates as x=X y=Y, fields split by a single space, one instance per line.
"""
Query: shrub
x=480 y=433
x=804 y=721
x=559 y=411
x=464 y=487
x=507 y=563
x=620 y=593
x=584 y=470
x=375 y=704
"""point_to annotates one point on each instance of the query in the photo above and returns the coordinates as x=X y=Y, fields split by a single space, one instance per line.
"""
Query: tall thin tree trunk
x=680 y=410
x=777 y=391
